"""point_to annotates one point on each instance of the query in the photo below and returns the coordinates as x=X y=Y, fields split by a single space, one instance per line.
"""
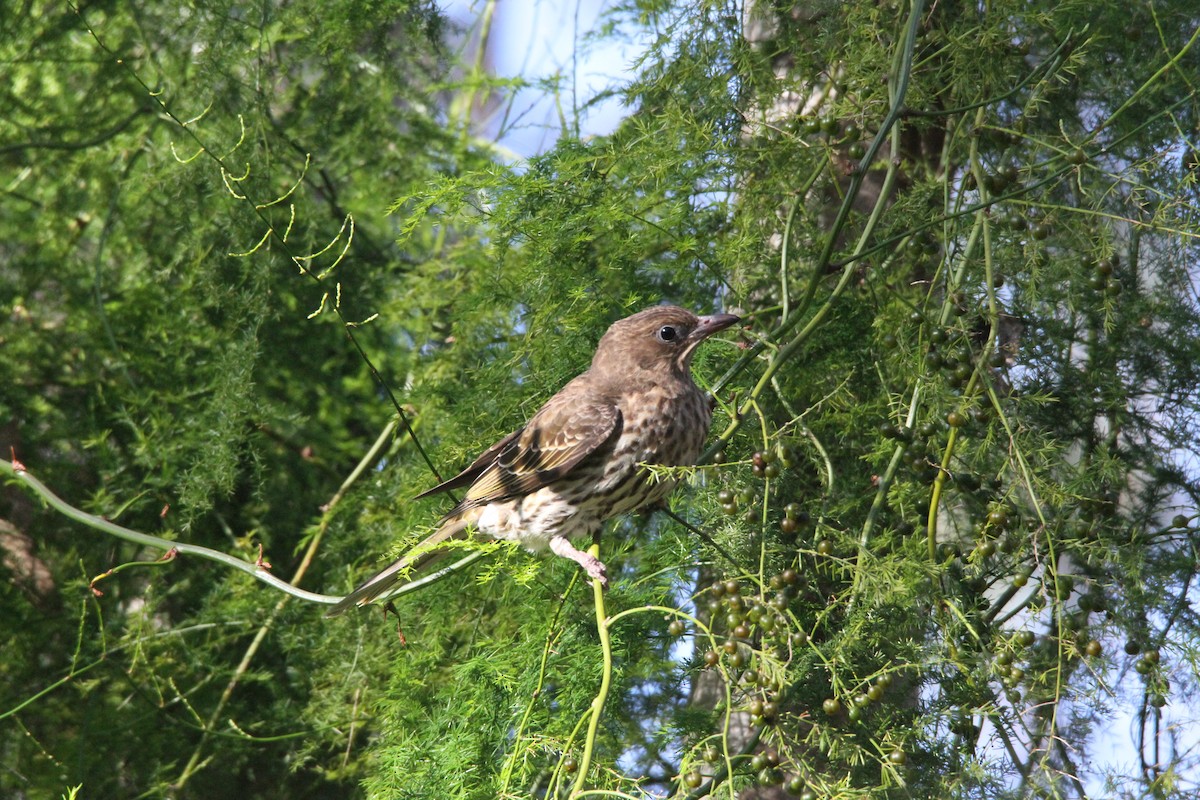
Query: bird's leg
x=594 y=567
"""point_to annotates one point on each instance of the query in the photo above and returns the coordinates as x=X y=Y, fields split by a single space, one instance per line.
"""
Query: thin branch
x=602 y=623
x=22 y=475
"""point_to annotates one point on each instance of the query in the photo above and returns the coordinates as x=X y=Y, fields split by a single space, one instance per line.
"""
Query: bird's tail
x=422 y=555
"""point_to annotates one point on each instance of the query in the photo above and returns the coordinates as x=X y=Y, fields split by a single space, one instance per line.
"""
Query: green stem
x=979 y=230
x=1172 y=64
x=64 y=680
x=166 y=545
x=903 y=62
x=864 y=537
x=602 y=624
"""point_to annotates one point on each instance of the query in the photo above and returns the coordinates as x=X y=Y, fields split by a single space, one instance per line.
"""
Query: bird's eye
x=667 y=333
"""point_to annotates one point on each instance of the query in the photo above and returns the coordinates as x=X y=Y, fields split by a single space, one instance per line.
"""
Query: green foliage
x=159 y=369
x=952 y=498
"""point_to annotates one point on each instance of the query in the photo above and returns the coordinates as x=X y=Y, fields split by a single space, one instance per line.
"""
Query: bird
x=582 y=458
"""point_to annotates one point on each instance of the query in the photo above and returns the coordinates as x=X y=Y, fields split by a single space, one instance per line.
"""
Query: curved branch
x=20 y=474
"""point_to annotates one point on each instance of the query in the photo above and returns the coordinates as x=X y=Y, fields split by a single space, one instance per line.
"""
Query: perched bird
x=579 y=460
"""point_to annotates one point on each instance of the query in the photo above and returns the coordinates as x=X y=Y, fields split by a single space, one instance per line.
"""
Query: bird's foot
x=595 y=569
x=593 y=566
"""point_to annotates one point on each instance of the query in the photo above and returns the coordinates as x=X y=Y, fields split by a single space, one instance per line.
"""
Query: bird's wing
x=564 y=432
x=468 y=475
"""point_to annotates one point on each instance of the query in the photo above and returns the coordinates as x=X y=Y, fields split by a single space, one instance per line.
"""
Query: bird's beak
x=713 y=323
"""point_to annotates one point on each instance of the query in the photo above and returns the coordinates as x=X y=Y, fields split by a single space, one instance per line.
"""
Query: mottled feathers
x=581 y=458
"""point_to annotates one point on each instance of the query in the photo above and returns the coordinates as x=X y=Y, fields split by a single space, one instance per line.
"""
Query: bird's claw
x=593 y=566
x=596 y=570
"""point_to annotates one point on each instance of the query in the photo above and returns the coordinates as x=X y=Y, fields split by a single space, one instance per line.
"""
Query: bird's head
x=658 y=340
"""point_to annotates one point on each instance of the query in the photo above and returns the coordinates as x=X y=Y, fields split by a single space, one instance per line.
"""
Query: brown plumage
x=578 y=461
